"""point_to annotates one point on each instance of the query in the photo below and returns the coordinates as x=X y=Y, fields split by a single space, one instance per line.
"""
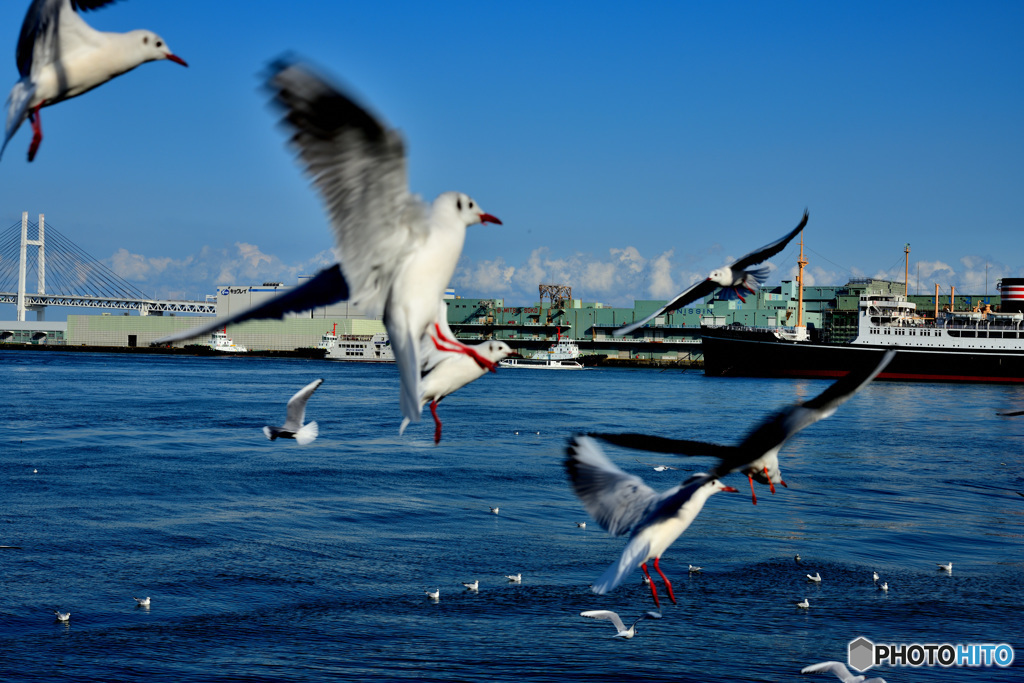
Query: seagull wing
x=696 y=291
x=616 y=500
x=769 y=250
x=606 y=614
x=297 y=406
x=838 y=668
x=660 y=444
x=358 y=167
x=325 y=288
x=1013 y=413
x=774 y=431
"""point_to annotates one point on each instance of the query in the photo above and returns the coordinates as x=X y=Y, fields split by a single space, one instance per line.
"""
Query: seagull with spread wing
x=731 y=279
x=293 y=427
x=397 y=252
x=60 y=56
x=623 y=504
x=757 y=456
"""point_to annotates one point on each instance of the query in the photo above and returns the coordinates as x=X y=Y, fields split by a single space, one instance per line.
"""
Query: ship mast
x=801 y=262
x=906 y=270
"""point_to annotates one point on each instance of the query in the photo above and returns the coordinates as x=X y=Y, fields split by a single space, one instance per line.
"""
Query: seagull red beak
x=488 y=218
x=730 y=489
x=176 y=59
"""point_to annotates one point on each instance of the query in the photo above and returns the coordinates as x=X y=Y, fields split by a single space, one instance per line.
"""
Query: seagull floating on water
x=884 y=586
x=875 y=576
x=436 y=595
x=623 y=632
x=142 y=602
x=841 y=672
x=59 y=56
x=514 y=578
x=475 y=586
x=805 y=604
x=757 y=456
x=445 y=370
x=945 y=567
x=397 y=253
x=62 y=616
x=494 y=511
x=293 y=427
x=730 y=278
x=695 y=570
x=656 y=467
x=581 y=525
x=797 y=559
x=816 y=578
x=623 y=504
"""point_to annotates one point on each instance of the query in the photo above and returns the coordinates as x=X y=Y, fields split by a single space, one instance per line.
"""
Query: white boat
x=220 y=341
x=562 y=355
x=374 y=348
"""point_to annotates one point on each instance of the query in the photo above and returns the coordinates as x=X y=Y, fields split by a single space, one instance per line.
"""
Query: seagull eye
x=159 y=43
x=471 y=203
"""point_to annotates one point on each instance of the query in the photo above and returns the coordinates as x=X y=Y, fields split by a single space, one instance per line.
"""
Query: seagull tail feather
x=631 y=558
x=17 y=110
x=307 y=433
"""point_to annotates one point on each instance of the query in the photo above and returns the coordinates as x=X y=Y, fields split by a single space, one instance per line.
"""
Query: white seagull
x=475 y=586
x=623 y=504
x=514 y=578
x=581 y=525
x=656 y=467
x=494 y=511
x=445 y=369
x=757 y=456
x=796 y=558
x=623 y=632
x=436 y=595
x=397 y=253
x=841 y=672
x=875 y=576
x=945 y=567
x=884 y=586
x=730 y=278
x=805 y=604
x=62 y=616
x=142 y=602
x=695 y=570
x=293 y=427
x=59 y=56
x=816 y=578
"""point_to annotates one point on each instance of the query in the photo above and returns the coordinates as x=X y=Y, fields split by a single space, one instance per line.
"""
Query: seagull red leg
x=752 y=492
x=437 y=422
x=770 y=484
x=654 y=591
x=668 y=584
x=37 y=132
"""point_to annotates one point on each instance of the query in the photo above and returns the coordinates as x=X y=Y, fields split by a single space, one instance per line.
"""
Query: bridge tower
x=40 y=268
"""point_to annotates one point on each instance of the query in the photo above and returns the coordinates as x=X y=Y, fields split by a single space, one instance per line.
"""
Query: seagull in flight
x=623 y=632
x=293 y=427
x=397 y=253
x=757 y=456
x=841 y=672
x=445 y=369
x=59 y=56
x=623 y=504
x=731 y=279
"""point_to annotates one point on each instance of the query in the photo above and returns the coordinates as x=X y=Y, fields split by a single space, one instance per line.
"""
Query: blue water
x=126 y=476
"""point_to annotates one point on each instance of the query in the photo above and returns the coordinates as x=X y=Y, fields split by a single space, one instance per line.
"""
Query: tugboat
x=562 y=355
x=220 y=341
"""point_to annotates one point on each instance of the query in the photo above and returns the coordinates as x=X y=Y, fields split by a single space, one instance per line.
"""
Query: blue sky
x=629 y=148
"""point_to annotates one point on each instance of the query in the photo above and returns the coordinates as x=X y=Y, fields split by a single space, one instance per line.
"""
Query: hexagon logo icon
x=861 y=654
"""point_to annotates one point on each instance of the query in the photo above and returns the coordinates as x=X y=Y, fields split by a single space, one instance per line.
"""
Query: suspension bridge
x=65 y=275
